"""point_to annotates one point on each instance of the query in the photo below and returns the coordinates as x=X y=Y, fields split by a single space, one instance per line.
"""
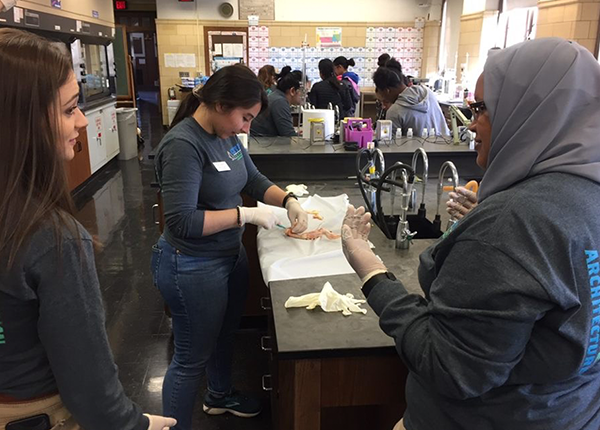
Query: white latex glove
x=355 y=235
x=160 y=423
x=261 y=216
x=461 y=202
x=297 y=216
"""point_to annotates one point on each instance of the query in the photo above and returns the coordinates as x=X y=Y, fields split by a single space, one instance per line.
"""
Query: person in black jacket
x=330 y=90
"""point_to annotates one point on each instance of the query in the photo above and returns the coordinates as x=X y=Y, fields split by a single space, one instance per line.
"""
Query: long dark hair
x=327 y=73
x=389 y=76
x=288 y=79
x=34 y=186
x=344 y=62
x=230 y=87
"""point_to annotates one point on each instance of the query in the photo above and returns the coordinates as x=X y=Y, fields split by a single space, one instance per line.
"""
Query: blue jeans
x=206 y=296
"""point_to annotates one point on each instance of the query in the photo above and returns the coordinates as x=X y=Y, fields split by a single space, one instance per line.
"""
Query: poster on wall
x=329 y=37
x=56 y=3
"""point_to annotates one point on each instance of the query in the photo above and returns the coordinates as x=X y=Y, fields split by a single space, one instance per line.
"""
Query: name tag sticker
x=221 y=166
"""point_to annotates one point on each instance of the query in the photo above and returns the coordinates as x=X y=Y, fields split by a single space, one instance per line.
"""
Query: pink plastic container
x=360 y=131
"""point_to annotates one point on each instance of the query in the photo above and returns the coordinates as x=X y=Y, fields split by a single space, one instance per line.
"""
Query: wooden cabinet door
x=78 y=169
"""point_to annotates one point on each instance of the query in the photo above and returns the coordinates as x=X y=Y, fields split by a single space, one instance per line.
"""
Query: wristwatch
x=370 y=284
x=287 y=197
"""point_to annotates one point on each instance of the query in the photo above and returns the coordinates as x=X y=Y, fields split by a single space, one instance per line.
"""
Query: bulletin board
x=225 y=46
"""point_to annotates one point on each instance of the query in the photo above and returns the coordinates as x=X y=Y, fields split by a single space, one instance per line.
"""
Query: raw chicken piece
x=315 y=214
x=312 y=235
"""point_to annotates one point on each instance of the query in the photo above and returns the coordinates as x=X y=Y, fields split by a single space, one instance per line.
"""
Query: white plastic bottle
x=424 y=133
x=432 y=132
x=409 y=133
x=398 y=133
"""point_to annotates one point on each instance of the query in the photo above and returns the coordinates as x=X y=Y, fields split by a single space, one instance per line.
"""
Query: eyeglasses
x=477 y=108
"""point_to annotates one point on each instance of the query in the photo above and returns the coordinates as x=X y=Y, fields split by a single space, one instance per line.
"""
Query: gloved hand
x=462 y=201
x=261 y=216
x=160 y=423
x=355 y=235
x=298 y=216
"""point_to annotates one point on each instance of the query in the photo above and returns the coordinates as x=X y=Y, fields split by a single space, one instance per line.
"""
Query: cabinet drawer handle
x=264 y=383
x=154 y=210
x=265 y=303
x=262 y=343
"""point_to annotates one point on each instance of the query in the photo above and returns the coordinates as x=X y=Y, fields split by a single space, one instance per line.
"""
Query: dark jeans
x=206 y=296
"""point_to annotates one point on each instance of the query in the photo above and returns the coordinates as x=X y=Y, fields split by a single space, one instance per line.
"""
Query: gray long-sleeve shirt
x=276 y=120
x=53 y=334
x=507 y=334
x=199 y=172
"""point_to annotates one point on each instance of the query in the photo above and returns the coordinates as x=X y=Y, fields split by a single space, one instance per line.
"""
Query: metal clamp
x=154 y=209
x=264 y=383
x=262 y=343
x=265 y=303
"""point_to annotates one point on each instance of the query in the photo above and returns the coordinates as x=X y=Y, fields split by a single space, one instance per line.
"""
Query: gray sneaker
x=235 y=403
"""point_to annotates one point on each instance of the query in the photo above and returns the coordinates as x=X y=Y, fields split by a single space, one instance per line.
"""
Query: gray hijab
x=543 y=101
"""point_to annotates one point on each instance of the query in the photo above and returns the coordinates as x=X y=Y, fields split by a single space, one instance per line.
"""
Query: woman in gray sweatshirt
x=507 y=335
x=413 y=106
x=56 y=366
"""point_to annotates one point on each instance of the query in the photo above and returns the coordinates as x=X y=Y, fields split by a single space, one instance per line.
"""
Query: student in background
x=330 y=90
x=276 y=120
x=267 y=77
x=413 y=107
x=383 y=58
x=350 y=79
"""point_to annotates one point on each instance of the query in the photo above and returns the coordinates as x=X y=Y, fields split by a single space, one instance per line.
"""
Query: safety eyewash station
x=331 y=365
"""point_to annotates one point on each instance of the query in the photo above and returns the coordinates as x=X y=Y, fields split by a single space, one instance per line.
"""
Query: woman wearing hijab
x=507 y=334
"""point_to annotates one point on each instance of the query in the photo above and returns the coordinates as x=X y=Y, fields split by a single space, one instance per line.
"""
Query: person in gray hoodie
x=507 y=333
x=413 y=106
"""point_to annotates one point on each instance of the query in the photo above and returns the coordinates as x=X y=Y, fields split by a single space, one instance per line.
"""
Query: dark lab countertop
x=301 y=333
x=294 y=158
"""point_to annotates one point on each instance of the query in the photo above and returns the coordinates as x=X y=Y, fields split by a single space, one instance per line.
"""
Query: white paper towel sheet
x=283 y=257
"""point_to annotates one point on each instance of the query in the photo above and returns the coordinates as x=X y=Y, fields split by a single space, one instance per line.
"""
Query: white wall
x=349 y=11
x=475 y=6
x=306 y=10
x=452 y=36
x=198 y=9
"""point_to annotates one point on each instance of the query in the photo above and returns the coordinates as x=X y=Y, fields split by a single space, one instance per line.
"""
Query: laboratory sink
x=425 y=228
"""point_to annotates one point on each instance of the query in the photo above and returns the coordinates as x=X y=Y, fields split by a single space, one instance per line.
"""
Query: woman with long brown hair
x=56 y=367
x=267 y=77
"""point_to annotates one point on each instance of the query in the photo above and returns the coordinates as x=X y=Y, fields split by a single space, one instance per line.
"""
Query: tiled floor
x=116 y=205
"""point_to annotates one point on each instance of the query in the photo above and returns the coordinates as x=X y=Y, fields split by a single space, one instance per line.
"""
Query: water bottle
x=409 y=133
x=432 y=132
x=398 y=133
x=424 y=134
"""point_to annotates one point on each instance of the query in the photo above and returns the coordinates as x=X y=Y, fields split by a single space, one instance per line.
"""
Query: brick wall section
x=572 y=19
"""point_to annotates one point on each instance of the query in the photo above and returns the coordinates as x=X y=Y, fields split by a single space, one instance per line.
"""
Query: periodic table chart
x=403 y=43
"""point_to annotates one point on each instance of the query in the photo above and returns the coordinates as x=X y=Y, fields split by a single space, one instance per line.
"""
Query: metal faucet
x=420 y=152
x=403 y=234
x=440 y=190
